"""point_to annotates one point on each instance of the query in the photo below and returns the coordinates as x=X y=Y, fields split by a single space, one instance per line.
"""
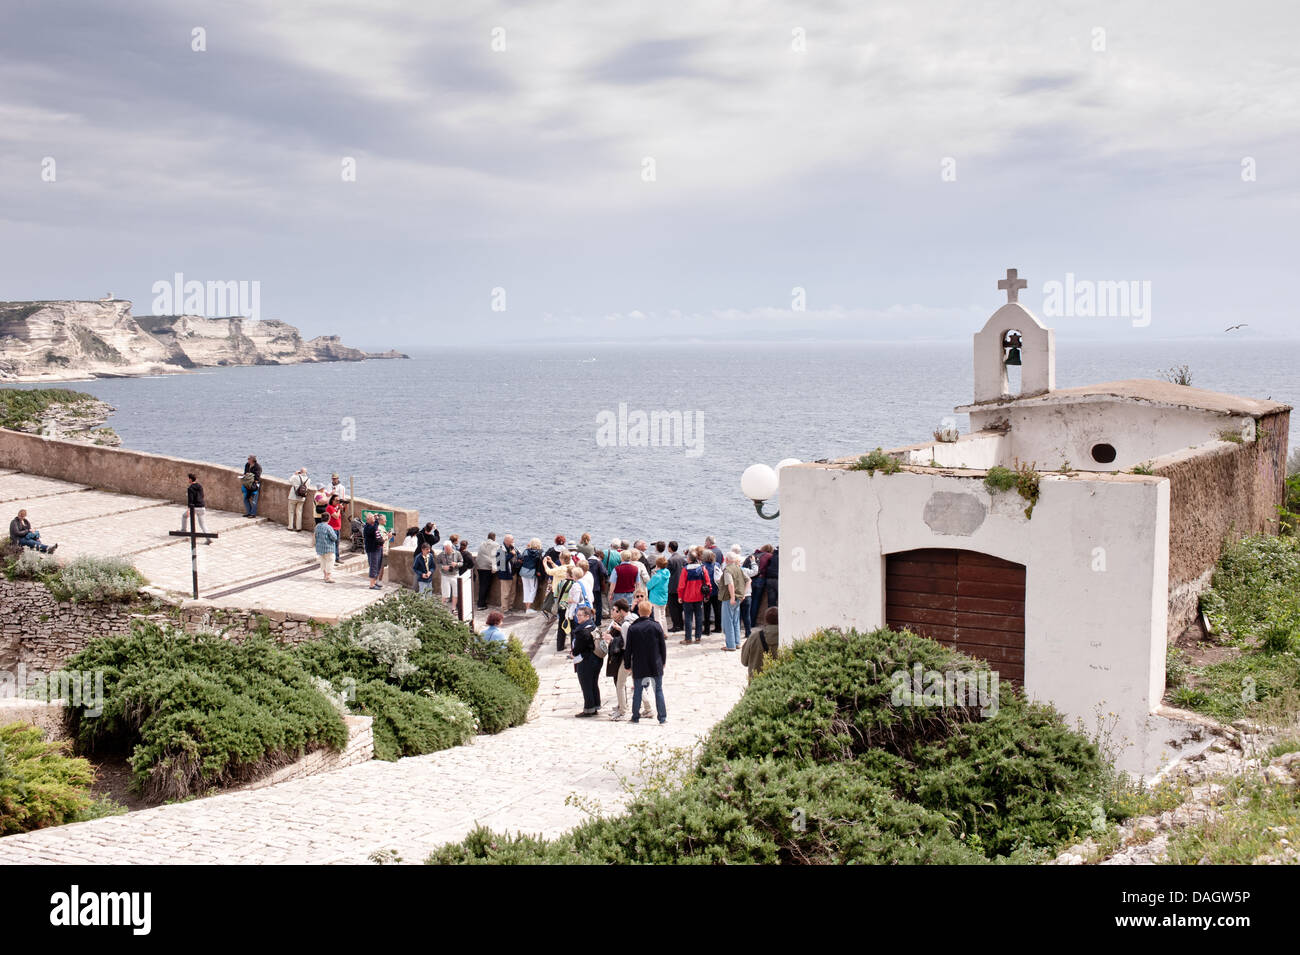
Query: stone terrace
x=250 y=557
x=517 y=780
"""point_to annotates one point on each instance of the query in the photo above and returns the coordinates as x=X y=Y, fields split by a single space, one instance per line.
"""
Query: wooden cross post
x=194 y=535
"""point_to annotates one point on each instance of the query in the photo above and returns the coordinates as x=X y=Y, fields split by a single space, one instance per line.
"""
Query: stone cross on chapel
x=1013 y=285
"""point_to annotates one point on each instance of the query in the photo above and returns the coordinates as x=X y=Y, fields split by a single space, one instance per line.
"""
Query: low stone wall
x=39 y=633
x=360 y=748
x=283 y=627
x=157 y=476
x=46 y=716
x=1216 y=494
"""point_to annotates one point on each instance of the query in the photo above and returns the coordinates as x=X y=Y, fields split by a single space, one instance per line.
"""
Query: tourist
x=759 y=584
x=731 y=591
x=712 y=546
x=596 y=571
x=584 y=546
x=334 y=517
x=657 y=592
x=21 y=533
x=579 y=593
x=423 y=566
x=494 y=633
x=428 y=534
x=748 y=568
x=618 y=669
x=763 y=643
x=449 y=570
x=484 y=566
x=336 y=487
x=645 y=652
x=299 y=490
x=562 y=583
x=325 y=541
x=557 y=572
x=194 y=501
x=613 y=557
x=586 y=661
x=529 y=569
x=642 y=555
x=676 y=564
x=625 y=578
x=773 y=576
x=711 y=606
x=690 y=593
x=374 y=545
x=320 y=502
x=508 y=561
x=467 y=562
x=251 y=485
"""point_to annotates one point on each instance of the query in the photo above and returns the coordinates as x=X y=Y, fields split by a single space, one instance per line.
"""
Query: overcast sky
x=890 y=159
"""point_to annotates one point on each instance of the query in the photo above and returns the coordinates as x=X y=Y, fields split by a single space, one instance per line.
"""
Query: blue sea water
x=505 y=439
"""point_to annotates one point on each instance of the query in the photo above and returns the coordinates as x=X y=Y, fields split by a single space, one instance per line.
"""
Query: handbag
x=601 y=647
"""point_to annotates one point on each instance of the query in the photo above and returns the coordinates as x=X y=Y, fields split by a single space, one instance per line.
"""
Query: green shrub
x=391 y=644
x=818 y=764
x=31 y=564
x=877 y=460
x=498 y=703
x=96 y=580
x=1024 y=479
x=39 y=785
x=410 y=724
x=520 y=669
x=196 y=711
x=23 y=406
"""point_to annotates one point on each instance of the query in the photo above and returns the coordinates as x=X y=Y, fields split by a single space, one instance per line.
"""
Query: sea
x=527 y=439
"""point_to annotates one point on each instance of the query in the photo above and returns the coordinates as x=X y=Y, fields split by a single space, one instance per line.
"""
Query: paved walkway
x=250 y=554
x=516 y=781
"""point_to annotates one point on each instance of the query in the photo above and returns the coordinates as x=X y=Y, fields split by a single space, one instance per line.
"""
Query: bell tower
x=1013 y=336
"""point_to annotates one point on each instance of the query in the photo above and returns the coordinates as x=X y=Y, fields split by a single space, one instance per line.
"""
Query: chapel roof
x=1148 y=391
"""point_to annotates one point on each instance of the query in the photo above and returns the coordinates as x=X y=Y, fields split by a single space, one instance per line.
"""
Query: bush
x=39 y=785
x=96 y=580
x=196 y=711
x=410 y=724
x=520 y=669
x=30 y=564
x=498 y=703
x=817 y=764
x=877 y=460
x=391 y=644
x=21 y=407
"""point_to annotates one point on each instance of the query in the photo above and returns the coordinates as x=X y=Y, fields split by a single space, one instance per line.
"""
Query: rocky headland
x=67 y=340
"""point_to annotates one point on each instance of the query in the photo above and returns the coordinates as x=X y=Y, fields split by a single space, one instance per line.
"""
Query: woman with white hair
x=532 y=566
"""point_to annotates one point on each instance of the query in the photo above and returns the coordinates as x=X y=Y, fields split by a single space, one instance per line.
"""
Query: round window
x=1103 y=453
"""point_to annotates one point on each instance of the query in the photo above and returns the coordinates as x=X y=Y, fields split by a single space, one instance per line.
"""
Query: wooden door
x=969 y=601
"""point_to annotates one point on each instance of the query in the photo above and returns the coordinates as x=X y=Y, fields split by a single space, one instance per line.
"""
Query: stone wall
x=39 y=633
x=360 y=748
x=156 y=476
x=1218 y=493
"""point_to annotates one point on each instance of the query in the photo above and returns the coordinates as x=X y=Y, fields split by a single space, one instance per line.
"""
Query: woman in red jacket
x=692 y=592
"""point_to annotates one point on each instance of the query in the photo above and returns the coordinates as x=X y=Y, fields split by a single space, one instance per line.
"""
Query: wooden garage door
x=962 y=599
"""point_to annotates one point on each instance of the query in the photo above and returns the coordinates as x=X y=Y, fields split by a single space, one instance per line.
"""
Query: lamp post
x=760 y=482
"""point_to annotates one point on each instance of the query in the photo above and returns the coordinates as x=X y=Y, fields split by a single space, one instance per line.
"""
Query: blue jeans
x=424 y=586
x=250 y=502
x=756 y=598
x=660 y=710
x=33 y=539
x=692 y=617
x=376 y=560
x=731 y=623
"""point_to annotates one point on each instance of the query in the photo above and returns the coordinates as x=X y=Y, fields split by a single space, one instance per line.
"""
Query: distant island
x=66 y=340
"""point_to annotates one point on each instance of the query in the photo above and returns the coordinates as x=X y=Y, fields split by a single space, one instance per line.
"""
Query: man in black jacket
x=645 y=652
x=676 y=564
x=194 y=502
x=588 y=663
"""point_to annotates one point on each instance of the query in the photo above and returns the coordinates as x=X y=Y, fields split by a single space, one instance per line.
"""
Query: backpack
x=300 y=489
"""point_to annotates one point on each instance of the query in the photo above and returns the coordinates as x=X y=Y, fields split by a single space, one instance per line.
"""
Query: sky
x=421 y=176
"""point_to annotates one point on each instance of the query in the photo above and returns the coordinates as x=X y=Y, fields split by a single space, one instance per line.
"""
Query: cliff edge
x=53 y=341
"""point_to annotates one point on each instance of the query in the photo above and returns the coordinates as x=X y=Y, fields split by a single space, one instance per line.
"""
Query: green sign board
x=388 y=516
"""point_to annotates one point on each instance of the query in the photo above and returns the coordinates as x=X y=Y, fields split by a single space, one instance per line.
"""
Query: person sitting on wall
x=21 y=533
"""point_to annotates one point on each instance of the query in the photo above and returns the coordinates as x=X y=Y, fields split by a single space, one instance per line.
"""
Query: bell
x=1013 y=356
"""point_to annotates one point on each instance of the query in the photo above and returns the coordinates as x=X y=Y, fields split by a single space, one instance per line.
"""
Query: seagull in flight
x=1235 y=327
